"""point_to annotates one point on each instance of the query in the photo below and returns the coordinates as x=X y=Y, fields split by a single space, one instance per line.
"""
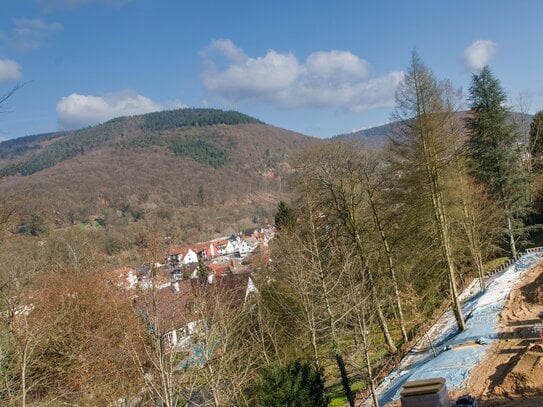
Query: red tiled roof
x=196 y=248
x=217 y=269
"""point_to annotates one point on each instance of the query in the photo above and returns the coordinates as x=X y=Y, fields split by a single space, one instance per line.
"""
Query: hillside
x=181 y=165
x=377 y=136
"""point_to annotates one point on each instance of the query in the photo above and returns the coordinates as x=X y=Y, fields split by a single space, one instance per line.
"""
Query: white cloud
x=77 y=110
x=337 y=65
x=337 y=79
x=248 y=77
x=9 y=70
x=29 y=33
x=479 y=54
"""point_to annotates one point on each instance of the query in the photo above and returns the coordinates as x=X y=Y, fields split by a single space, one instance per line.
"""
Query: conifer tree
x=536 y=142
x=492 y=150
x=285 y=216
x=297 y=384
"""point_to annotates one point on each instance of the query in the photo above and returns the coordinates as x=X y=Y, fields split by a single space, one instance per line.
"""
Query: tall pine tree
x=492 y=151
x=536 y=142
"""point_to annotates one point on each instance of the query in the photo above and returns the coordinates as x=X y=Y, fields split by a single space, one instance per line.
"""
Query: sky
x=319 y=67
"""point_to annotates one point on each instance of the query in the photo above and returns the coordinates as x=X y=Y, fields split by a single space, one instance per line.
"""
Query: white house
x=244 y=249
x=190 y=257
x=225 y=248
x=247 y=246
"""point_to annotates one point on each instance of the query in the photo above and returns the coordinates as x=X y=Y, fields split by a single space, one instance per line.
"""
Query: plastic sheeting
x=458 y=353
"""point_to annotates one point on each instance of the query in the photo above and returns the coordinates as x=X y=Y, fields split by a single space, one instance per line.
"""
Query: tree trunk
x=391 y=347
x=23 y=375
x=331 y=324
x=339 y=359
x=315 y=347
x=474 y=243
x=511 y=235
x=431 y=165
x=390 y=264
x=364 y=330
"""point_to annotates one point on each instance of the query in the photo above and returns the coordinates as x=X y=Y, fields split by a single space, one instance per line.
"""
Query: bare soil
x=512 y=372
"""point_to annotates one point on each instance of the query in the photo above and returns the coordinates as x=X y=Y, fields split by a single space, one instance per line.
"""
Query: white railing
x=509 y=262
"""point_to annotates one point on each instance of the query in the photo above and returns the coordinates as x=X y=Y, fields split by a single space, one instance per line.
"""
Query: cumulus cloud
x=337 y=79
x=77 y=110
x=9 y=70
x=479 y=54
x=338 y=65
x=29 y=33
x=248 y=77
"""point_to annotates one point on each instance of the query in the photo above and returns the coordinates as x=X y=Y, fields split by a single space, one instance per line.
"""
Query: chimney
x=175 y=286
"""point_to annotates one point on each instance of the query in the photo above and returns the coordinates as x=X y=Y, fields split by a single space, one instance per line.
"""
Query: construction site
x=496 y=361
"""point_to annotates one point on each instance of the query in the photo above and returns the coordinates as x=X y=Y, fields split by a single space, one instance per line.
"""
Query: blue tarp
x=458 y=353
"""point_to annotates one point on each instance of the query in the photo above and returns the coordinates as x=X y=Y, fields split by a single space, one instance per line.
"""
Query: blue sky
x=318 y=67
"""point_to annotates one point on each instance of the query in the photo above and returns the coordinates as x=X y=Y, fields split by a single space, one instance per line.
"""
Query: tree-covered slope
x=205 y=169
x=36 y=153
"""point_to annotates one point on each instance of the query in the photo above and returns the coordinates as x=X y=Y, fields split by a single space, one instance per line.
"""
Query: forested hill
x=167 y=162
x=34 y=153
x=377 y=136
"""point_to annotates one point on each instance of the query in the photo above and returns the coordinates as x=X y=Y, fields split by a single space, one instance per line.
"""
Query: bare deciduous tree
x=422 y=146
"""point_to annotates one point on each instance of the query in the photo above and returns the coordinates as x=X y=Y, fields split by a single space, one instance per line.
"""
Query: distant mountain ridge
x=377 y=136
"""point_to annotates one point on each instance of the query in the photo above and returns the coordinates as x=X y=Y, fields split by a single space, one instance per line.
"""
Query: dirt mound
x=533 y=292
x=512 y=372
x=525 y=302
x=526 y=374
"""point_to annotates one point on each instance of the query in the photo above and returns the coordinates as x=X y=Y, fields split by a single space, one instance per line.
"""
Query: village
x=164 y=293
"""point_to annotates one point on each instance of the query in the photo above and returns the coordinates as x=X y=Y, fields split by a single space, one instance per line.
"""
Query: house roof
x=196 y=248
x=177 y=250
x=223 y=242
x=217 y=269
x=251 y=241
x=171 y=309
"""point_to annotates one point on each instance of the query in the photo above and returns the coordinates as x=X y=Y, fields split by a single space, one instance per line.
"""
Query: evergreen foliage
x=69 y=146
x=492 y=141
x=296 y=385
x=285 y=216
x=205 y=150
x=536 y=141
x=33 y=225
x=9 y=149
x=199 y=150
x=492 y=149
x=82 y=141
x=172 y=119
